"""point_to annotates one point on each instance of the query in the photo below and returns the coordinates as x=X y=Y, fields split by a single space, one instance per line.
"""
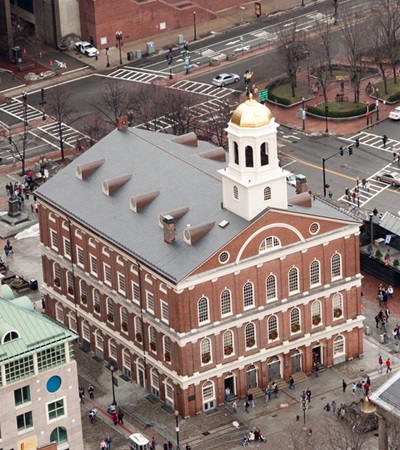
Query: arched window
x=57 y=274
x=316 y=316
x=203 y=310
x=249 y=156
x=155 y=382
x=124 y=319
x=271 y=287
x=336 y=266
x=112 y=349
x=110 y=310
x=126 y=363
x=169 y=390
x=10 y=336
x=295 y=320
x=293 y=280
x=70 y=283
x=226 y=302
x=138 y=330
x=83 y=287
x=250 y=335
x=338 y=346
x=269 y=243
x=167 y=349
x=205 y=351
x=235 y=193
x=208 y=392
x=315 y=273
x=272 y=328
x=153 y=339
x=248 y=295
x=96 y=301
x=267 y=193
x=228 y=343
x=264 y=154
x=337 y=303
x=236 y=152
x=99 y=341
x=59 y=435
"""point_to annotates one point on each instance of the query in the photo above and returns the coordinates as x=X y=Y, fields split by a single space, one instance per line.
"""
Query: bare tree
x=377 y=54
x=59 y=106
x=292 y=48
x=146 y=106
x=177 y=109
x=324 y=30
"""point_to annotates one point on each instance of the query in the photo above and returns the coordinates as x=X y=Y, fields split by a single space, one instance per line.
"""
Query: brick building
x=191 y=273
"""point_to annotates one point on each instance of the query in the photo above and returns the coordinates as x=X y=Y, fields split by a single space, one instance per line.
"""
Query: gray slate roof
x=388 y=395
x=391 y=223
x=184 y=179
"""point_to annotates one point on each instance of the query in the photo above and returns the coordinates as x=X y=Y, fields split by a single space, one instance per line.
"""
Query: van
x=138 y=442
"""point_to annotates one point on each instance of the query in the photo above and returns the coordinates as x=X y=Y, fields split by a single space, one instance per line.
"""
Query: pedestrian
x=153 y=444
x=353 y=388
x=309 y=438
x=250 y=399
x=308 y=393
x=383 y=325
x=388 y=368
x=291 y=382
x=344 y=385
x=268 y=394
x=120 y=416
x=90 y=390
x=188 y=447
x=170 y=446
x=234 y=406
x=108 y=441
x=377 y=319
x=165 y=446
x=103 y=444
x=327 y=409
x=380 y=364
x=387 y=314
x=398 y=158
x=384 y=140
x=342 y=413
x=227 y=394
x=367 y=185
x=368 y=381
x=82 y=394
x=246 y=406
x=97 y=57
x=389 y=292
x=276 y=391
x=114 y=417
x=334 y=406
x=366 y=388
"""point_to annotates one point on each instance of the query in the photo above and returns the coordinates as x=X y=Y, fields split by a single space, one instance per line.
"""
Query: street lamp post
x=336 y=10
x=302 y=3
x=112 y=370
x=326 y=117
x=194 y=26
x=303 y=114
x=367 y=114
x=323 y=168
x=304 y=407
x=108 y=57
x=377 y=104
x=25 y=104
x=118 y=36
x=371 y=227
x=177 y=430
x=358 y=193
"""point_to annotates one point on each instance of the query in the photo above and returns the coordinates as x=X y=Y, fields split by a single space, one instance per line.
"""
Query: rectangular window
x=135 y=292
x=150 y=301
x=19 y=369
x=22 y=395
x=53 y=239
x=51 y=357
x=24 y=421
x=55 y=409
x=67 y=248
x=121 y=283
x=80 y=257
x=164 y=312
x=107 y=274
x=93 y=265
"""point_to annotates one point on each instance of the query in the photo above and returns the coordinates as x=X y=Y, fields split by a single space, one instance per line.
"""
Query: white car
x=86 y=48
x=225 y=78
x=395 y=114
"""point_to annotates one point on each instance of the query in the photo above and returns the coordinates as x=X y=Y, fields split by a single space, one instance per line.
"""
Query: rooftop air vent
x=138 y=202
x=112 y=185
x=192 y=234
x=84 y=170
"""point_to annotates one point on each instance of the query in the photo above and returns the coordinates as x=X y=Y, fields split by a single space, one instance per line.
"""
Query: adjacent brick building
x=191 y=273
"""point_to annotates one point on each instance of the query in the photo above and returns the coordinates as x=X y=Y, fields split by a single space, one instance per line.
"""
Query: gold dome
x=251 y=114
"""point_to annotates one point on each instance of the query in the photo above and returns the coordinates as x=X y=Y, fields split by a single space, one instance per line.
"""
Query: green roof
x=36 y=331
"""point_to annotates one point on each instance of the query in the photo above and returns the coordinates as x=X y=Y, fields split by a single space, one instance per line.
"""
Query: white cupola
x=253 y=180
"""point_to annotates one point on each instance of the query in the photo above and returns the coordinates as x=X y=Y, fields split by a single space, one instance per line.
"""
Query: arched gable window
x=59 y=435
x=203 y=310
x=267 y=193
x=205 y=350
x=228 y=343
x=236 y=152
x=264 y=154
x=226 y=302
x=249 y=156
x=10 y=336
x=336 y=266
x=269 y=243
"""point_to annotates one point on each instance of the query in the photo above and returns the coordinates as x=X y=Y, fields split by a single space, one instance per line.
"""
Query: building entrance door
x=251 y=377
x=317 y=354
x=296 y=362
x=274 y=369
x=230 y=383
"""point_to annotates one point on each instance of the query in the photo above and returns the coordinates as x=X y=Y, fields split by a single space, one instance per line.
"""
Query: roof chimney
x=122 y=123
x=301 y=184
x=169 y=229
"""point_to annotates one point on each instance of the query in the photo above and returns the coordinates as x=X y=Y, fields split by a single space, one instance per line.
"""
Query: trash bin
x=33 y=284
x=367 y=330
x=382 y=338
x=150 y=47
x=180 y=39
x=138 y=54
x=396 y=347
x=129 y=55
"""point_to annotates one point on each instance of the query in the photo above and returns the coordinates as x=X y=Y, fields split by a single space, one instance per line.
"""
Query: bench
x=27 y=66
x=342 y=78
x=341 y=98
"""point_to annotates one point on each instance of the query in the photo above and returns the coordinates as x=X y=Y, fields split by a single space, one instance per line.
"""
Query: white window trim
x=135 y=300
x=65 y=249
x=163 y=319
x=65 y=225
x=48 y=421
x=147 y=301
x=297 y=291
x=52 y=239
x=275 y=298
x=78 y=263
x=92 y=242
x=338 y=277
x=104 y=274
x=121 y=291
x=91 y=257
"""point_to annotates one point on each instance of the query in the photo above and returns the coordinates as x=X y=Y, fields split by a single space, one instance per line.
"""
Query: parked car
x=392 y=178
x=291 y=179
x=225 y=78
x=86 y=48
x=395 y=114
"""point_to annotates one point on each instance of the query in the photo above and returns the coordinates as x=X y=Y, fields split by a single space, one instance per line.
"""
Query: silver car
x=225 y=78
x=392 y=178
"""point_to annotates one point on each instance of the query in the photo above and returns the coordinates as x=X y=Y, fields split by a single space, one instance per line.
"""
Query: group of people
x=361 y=386
x=384 y=294
x=388 y=365
x=106 y=443
x=273 y=389
x=254 y=435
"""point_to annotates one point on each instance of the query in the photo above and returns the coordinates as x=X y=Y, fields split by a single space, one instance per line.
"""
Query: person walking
x=384 y=140
x=334 y=406
x=291 y=382
x=268 y=394
x=227 y=394
x=383 y=324
x=327 y=408
x=153 y=444
x=353 y=388
x=309 y=438
x=246 y=406
x=170 y=446
x=103 y=444
x=308 y=393
x=250 y=399
x=367 y=185
x=120 y=416
x=388 y=364
x=108 y=441
x=82 y=394
x=165 y=446
x=344 y=385
x=276 y=391
x=188 y=446
x=90 y=390
x=234 y=406
x=114 y=417
x=368 y=381
x=380 y=364
x=366 y=388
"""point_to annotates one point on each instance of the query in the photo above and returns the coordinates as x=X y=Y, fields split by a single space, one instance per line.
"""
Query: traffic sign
x=263 y=95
